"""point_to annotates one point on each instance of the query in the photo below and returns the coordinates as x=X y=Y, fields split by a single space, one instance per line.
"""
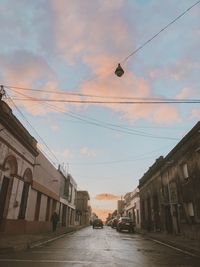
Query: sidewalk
x=11 y=243
x=179 y=242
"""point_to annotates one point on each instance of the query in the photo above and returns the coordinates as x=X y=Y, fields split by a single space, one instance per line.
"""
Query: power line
x=54 y=107
x=139 y=100
x=34 y=130
x=192 y=101
x=106 y=125
x=154 y=36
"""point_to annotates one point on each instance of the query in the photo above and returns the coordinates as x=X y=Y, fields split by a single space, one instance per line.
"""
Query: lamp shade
x=119 y=71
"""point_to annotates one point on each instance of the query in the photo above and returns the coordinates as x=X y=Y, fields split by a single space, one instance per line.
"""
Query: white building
x=31 y=188
x=132 y=207
x=18 y=154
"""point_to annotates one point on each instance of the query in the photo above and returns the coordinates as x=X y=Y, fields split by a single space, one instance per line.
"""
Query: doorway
x=3 y=195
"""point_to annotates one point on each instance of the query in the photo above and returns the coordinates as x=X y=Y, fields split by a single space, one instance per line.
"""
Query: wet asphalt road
x=100 y=248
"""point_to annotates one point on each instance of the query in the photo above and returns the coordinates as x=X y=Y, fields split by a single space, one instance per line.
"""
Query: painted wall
x=30 y=211
x=46 y=174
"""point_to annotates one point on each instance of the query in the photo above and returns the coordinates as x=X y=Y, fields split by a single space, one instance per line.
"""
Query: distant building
x=132 y=206
x=68 y=195
x=120 y=207
x=83 y=209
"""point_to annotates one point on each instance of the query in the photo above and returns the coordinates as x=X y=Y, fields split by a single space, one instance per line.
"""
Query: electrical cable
x=154 y=36
x=110 y=102
x=148 y=99
x=107 y=125
x=34 y=131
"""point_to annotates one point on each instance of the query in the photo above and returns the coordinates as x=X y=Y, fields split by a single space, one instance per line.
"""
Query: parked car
x=109 y=223
x=125 y=223
x=97 y=223
x=114 y=223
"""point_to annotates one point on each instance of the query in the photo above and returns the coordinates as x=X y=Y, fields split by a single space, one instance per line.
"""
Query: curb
x=186 y=250
x=45 y=241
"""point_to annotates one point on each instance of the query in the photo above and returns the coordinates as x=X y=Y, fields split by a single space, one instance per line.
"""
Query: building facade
x=169 y=190
x=68 y=195
x=31 y=187
x=132 y=207
x=18 y=153
x=83 y=209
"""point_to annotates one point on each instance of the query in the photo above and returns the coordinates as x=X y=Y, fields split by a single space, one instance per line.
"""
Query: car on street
x=125 y=223
x=97 y=223
x=109 y=223
x=114 y=222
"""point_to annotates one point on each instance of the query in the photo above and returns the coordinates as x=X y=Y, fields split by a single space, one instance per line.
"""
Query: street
x=100 y=247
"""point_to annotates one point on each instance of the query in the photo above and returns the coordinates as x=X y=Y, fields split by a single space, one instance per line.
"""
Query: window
x=70 y=193
x=185 y=171
x=138 y=219
x=190 y=209
x=66 y=188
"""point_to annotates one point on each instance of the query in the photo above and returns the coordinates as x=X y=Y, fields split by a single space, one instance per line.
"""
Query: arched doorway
x=9 y=170
x=23 y=204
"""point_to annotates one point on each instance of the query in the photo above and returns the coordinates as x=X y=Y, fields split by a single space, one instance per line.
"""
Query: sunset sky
x=73 y=46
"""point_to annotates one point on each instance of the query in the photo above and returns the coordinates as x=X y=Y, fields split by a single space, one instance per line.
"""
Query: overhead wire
x=137 y=99
x=106 y=125
x=21 y=113
x=110 y=102
x=163 y=29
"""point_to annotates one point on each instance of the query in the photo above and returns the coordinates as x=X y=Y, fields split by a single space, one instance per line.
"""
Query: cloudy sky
x=67 y=50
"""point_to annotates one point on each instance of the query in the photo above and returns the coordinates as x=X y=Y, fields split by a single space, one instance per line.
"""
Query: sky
x=68 y=50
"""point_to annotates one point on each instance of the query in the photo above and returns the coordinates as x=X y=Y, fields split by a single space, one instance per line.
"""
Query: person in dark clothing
x=54 y=220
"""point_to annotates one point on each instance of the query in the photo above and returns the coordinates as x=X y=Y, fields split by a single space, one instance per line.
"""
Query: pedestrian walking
x=54 y=220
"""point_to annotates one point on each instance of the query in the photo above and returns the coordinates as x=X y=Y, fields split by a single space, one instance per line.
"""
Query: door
x=3 y=195
x=22 y=210
x=168 y=219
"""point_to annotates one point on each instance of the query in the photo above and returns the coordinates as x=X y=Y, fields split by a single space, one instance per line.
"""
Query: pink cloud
x=106 y=196
x=101 y=212
x=86 y=29
x=97 y=35
x=27 y=70
x=92 y=44
x=130 y=87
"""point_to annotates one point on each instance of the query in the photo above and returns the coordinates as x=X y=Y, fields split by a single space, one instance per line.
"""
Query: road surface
x=100 y=248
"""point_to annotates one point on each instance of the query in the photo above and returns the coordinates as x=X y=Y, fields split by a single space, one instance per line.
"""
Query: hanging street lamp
x=119 y=71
